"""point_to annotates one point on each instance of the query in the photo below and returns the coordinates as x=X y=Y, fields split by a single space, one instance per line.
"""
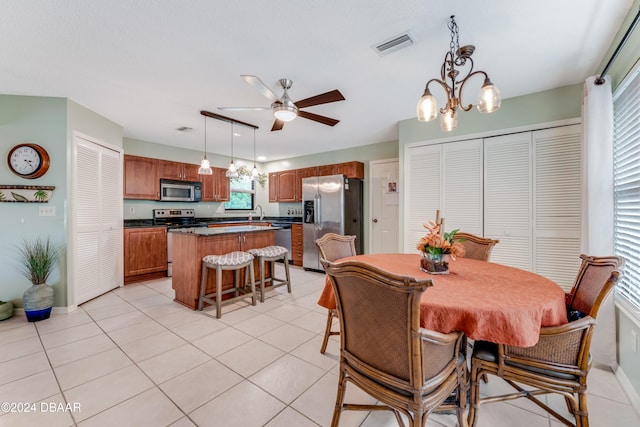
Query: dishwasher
x=282 y=236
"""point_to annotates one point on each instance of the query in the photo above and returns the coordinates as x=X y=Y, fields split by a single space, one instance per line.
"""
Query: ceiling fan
x=284 y=109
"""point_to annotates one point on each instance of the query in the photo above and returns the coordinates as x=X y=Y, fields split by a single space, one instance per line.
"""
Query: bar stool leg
x=203 y=285
x=218 y=292
x=286 y=271
x=262 y=278
x=253 y=285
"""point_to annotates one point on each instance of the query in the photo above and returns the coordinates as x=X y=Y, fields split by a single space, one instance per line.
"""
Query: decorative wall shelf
x=26 y=193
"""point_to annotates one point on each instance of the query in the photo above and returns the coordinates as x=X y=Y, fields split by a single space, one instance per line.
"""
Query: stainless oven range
x=175 y=218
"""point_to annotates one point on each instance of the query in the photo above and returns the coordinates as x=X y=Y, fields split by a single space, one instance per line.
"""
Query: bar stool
x=235 y=261
x=272 y=254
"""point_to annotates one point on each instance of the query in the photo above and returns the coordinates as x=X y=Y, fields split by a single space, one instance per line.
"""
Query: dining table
x=487 y=301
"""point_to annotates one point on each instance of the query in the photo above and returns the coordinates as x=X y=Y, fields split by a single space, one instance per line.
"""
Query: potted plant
x=38 y=258
x=437 y=246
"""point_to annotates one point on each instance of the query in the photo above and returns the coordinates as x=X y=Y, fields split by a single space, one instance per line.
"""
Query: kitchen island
x=190 y=245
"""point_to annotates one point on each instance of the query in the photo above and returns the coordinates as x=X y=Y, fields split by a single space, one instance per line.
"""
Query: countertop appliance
x=180 y=191
x=175 y=218
x=331 y=204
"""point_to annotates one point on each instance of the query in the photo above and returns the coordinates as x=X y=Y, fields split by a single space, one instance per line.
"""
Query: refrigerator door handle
x=319 y=212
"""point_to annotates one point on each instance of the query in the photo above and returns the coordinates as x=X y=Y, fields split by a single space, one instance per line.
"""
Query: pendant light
x=488 y=99
x=232 y=171
x=205 y=166
x=254 y=171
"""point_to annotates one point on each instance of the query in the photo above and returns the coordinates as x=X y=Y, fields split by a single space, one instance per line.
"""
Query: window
x=242 y=194
x=626 y=175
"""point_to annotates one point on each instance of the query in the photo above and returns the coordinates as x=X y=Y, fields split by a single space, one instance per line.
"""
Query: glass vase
x=435 y=263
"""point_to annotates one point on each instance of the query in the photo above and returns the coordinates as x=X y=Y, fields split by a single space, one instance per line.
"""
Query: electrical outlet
x=634 y=341
x=132 y=210
x=47 y=211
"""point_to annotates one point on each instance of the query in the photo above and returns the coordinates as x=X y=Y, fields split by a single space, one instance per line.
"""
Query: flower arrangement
x=245 y=171
x=436 y=242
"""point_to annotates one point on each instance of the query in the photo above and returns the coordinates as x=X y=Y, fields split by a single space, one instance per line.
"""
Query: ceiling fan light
x=205 y=167
x=285 y=113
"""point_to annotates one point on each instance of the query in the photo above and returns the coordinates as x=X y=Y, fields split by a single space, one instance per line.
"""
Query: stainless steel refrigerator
x=331 y=204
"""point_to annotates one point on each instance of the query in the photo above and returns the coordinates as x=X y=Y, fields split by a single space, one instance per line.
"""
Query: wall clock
x=28 y=160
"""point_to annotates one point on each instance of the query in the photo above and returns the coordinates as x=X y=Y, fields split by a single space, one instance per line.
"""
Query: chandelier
x=488 y=99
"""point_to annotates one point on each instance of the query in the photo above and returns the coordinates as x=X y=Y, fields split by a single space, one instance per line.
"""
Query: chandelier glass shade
x=456 y=58
x=205 y=166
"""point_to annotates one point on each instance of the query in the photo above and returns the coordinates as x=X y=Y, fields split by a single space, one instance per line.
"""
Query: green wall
x=48 y=122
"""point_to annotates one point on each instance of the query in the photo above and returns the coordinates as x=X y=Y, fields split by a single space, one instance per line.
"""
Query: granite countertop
x=204 y=231
x=134 y=223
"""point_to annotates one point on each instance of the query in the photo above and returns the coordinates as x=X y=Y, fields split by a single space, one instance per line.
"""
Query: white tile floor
x=133 y=357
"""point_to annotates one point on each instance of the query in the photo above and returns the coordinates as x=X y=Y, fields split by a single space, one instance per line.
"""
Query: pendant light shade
x=232 y=171
x=205 y=166
x=254 y=171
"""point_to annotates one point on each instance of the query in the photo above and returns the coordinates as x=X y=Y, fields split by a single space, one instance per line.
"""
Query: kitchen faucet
x=261 y=212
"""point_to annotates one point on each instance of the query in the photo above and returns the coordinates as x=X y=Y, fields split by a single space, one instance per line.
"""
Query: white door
x=384 y=225
x=96 y=220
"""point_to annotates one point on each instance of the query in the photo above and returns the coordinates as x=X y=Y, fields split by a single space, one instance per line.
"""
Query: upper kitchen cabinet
x=215 y=187
x=300 y=174
x=273 y=187
x=178 y=171
x=287 y=186
x=350 y=169
x=141 y=178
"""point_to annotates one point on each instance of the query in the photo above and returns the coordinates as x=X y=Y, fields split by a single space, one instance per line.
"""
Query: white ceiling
x=151 y=66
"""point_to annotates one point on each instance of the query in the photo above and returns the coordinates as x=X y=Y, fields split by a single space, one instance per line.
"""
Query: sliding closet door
x=507 y=192
x=557 y=203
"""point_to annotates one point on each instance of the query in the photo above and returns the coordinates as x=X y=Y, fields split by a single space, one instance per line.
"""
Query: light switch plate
x=46 y=210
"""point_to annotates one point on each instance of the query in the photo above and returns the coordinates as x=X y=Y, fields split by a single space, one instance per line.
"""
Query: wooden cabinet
x=215 y=187
x=273 y=187
x=296 y=244
x=145 y=252
x=287 y=186
x=141 y=178
x=179 y=171
x=326 y=170
x=350 y=169
x=300 y=174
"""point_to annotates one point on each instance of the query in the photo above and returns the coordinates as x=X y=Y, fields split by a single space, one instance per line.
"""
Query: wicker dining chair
x=334 y=246
x=384 y=351
x=476 y=247
x=560 y=361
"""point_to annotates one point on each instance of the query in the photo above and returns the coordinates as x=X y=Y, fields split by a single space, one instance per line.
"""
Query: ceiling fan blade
x=262 y=88
x=244 y=108
x=323 y=98
x=277 y=125
x=318 y=118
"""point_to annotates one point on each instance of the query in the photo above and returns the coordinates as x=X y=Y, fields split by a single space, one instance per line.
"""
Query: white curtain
x=597 y=202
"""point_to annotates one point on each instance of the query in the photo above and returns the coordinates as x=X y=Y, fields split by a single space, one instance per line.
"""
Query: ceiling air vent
x=396 y=43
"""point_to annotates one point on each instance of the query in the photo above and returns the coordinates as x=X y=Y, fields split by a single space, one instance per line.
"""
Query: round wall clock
x=28 y=160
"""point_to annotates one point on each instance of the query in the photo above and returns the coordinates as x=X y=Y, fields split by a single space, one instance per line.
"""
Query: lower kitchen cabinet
x=296 y=244
x=145 y=253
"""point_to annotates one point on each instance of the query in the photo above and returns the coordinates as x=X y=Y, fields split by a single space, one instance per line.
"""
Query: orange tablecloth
x=486 y=301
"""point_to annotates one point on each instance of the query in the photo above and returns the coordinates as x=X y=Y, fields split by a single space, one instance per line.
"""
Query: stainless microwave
x=180 y=191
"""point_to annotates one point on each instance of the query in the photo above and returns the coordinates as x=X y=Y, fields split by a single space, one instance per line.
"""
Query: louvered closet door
x=557 y=203
x=422 y=191
x=507 y=193
x=462 y=187
x=96 y=220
